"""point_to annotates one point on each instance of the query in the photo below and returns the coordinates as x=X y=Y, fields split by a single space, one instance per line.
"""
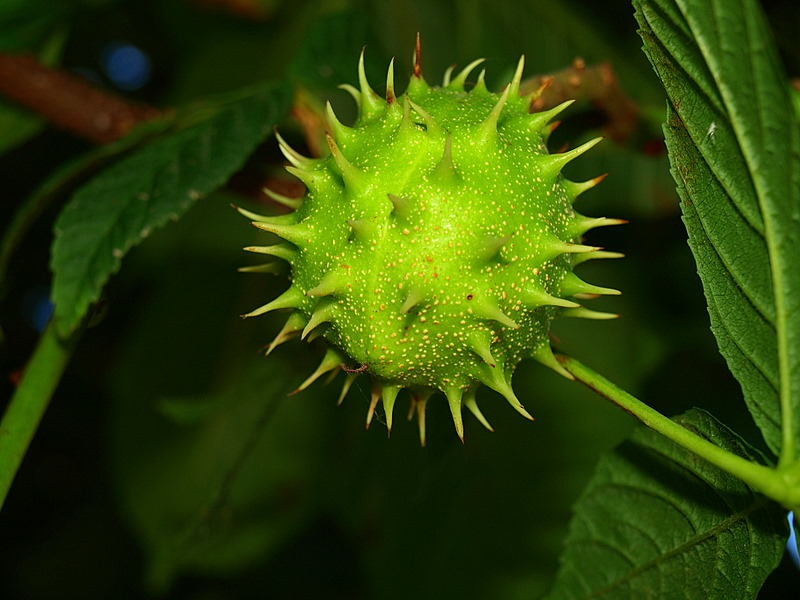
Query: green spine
x=435 y=243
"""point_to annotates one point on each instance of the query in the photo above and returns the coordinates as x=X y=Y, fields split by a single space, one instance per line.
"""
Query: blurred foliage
x=172 y=464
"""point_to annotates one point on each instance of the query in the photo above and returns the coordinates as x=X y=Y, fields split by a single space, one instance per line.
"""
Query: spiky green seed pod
x=435 y=244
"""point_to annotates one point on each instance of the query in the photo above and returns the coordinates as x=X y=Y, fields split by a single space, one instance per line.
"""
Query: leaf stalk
x=30 y=401
x=781 y=484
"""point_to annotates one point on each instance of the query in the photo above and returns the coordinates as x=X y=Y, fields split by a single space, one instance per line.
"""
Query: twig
x=597 y=84
x=69 y=101
x=782 y=484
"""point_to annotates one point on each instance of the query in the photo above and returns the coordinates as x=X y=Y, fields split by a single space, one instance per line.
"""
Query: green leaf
x=212 y=484
x=214 y=467
x=734 y=147
x=125 y=203
x=746 y=338
x=17 y=126
x=64 y=180
x=25 y=23
x=658 y=522
x=327 y=56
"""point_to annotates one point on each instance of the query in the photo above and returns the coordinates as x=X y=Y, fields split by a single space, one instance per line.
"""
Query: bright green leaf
x=125 y=203
x=733 y=144
x=746 y=338
x=656 y=521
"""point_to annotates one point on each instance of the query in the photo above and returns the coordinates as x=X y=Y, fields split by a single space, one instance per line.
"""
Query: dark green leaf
x=656 y=521
x=16 y=126
x=24 y=24
x=329 y=53
x=211 y=484
x=64 y=180
x=213 y=466
x=125 y=203
x=733 y=144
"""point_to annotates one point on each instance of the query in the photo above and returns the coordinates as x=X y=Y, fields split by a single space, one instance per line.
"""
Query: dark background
x=116 y=498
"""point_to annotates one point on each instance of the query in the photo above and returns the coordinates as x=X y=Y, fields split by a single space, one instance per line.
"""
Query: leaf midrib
x=764 y=191
x=724 y=525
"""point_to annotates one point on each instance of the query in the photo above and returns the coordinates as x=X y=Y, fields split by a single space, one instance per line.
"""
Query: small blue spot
x=36 y=307
x=791 y=545
x=126 y=65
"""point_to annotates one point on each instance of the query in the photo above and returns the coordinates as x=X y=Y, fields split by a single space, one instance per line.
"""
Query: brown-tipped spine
x=572 y=285
x=576 y=188
x=390 y=95
x=418 y=58
x=496 y=380
x=558 y=161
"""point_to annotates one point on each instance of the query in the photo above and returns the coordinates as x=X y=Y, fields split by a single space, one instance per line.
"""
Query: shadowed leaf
x=656 y=521
x=122 y=205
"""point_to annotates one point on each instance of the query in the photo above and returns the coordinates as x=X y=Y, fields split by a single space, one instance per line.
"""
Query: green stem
x=30 y=400
x=779 y=484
